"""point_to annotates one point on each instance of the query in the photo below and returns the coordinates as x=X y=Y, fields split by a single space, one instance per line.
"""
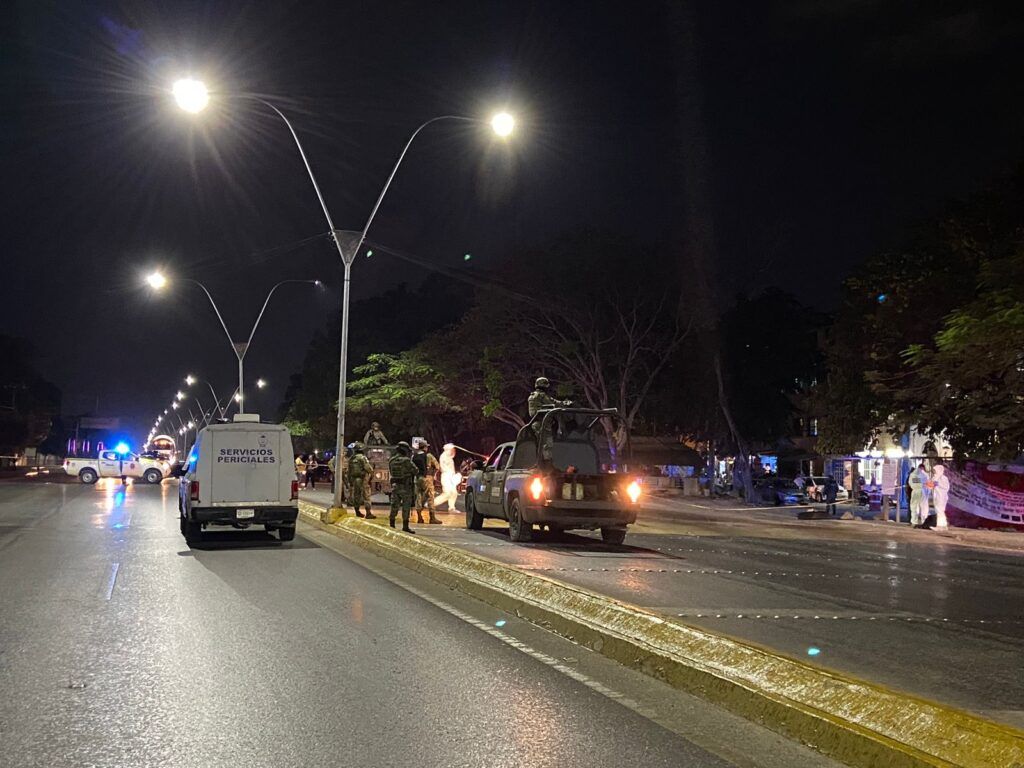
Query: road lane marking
x=111 y=579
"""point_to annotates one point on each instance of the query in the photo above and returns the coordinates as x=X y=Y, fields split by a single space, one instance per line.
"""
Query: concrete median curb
x=851 y=720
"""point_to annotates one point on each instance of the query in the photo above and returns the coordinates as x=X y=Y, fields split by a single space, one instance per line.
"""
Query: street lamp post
x=158 y=281
x=192 y=96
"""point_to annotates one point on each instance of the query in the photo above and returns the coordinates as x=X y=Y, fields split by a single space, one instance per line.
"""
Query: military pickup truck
x=550 y=476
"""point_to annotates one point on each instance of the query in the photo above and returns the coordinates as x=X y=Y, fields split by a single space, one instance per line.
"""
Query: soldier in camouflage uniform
x=427 y=465
x=403 y=484
x=539 y=401
x=359 y=469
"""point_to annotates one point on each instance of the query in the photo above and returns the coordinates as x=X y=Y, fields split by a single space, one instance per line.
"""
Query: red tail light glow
x=537 y=488
x=193 y=490
x=295 y=489
x=633 y=491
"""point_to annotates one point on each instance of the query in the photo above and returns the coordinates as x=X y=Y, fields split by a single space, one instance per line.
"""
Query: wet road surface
x=121 y=646
x=908 y=609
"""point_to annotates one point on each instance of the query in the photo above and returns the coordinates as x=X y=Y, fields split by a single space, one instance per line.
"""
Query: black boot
x=419 y=518
x=370 y=515
x=433 y=519
x=407 y=529
x=391 y=521
x=358 y=513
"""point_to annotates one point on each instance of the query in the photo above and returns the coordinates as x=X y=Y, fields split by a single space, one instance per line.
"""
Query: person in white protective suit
x=449 y=479
x=918 y=496
x=940 y=496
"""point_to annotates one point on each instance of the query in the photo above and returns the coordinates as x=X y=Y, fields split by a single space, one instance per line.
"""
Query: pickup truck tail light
x=537 y=489
x=193 y=490
x=295 y=490
x=633 y=491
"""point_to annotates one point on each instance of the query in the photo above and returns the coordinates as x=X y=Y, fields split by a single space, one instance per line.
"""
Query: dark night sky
x=833 y=127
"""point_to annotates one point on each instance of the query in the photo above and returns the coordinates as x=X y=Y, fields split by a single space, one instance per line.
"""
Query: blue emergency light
x=122 y=448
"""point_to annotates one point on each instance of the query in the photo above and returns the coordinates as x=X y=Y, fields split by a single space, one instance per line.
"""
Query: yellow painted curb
x=851 y=720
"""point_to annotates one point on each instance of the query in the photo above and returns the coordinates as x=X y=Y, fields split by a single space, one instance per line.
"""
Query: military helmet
x=542 y=383
x=404 y=447
x=375 y=425
x=358 y=447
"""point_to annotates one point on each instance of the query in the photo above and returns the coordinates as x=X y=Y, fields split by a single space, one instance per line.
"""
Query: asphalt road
x=913 y=610
x=121 y=646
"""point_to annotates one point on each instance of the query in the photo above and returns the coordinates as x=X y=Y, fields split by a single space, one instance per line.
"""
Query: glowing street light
x=261 y=383
x=191 y=95
x=180 y=395
x=503 y=124
x=156 y=280
x=238 y=349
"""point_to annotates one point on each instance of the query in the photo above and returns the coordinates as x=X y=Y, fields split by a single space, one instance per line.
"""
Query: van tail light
x=537 y=489
x=295 y=489
x=193 y=490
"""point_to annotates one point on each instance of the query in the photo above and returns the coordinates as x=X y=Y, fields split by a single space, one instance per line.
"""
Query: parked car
x=779 y=491
x=815 y=488
x=240 y=474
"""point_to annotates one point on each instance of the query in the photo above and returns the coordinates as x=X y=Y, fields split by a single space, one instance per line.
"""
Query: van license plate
x=242 y=514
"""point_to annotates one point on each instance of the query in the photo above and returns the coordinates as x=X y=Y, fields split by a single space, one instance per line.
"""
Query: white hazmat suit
x=940 y=496
x=449 y=478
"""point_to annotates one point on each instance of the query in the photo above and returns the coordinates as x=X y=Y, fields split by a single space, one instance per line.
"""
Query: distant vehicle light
x=537 y=488
x=633 y=491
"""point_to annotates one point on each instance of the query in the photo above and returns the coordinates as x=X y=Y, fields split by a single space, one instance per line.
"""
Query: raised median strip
x=854 y=721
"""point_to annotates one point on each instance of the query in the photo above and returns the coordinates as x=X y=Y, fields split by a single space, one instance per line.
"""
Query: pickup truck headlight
x=633 y=491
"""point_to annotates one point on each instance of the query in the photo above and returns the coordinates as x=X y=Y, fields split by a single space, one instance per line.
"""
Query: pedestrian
x=427 y=465
x=300 y=469
x=918 y=496
x=403 y=484
x=940 y=496
x=359 y=468
x=831 y=492
x=331 y=465
x=449 y=479
x=311 y=466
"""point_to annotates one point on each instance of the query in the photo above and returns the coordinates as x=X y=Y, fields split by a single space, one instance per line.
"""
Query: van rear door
x=246 y=465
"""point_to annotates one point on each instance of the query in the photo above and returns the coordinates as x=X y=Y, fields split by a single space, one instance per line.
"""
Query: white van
x=240 y=474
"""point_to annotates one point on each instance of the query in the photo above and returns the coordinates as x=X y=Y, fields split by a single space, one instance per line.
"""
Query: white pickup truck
x=114 y=464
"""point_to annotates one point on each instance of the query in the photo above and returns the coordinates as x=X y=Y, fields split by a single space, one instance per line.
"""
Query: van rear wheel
x=286 y=532
x=193 y=531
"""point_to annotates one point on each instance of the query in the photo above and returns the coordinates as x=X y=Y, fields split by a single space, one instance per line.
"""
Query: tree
x=906 y=316
x=28 y=403
x=603 y=329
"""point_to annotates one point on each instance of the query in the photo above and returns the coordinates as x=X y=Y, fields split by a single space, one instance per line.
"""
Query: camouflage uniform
x=428 y=466
x=539 y=401
x=403 y=485
x=374 y=435
x=359 y=472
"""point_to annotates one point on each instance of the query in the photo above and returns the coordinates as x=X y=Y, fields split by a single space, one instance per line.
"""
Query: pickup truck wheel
x=286 y=532
x=613 y=535
x=474 y=520
x=518 y=529
x=88 y=476
x=153 y=476
x=193 y=531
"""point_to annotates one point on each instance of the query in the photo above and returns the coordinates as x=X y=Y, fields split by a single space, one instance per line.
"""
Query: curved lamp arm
x=264 y=309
